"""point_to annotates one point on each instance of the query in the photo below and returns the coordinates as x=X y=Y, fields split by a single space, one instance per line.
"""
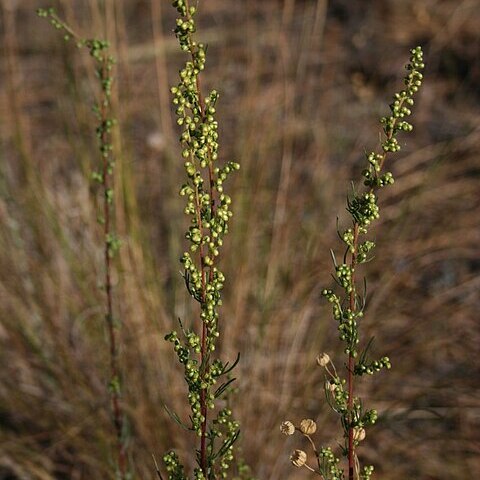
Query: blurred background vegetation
x=303 y=84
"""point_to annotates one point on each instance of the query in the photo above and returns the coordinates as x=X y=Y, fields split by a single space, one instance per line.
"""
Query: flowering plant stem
x=349 y=308
x=398 y=112
x=208 y=207
x=103 y=175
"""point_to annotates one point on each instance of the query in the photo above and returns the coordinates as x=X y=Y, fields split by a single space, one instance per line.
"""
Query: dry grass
x=302 y=84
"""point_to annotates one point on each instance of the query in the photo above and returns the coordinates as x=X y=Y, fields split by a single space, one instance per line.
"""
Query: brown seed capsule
x=359 y=434
x=323 y=359
x=308 y=426
x=298 y=458
x=287 y=428
x=330 y=386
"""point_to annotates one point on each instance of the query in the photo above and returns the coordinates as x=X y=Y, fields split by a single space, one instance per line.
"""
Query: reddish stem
x=114 y=369
x=203 y=393
x=351 y=361
x=203 y=350
x=203 y=347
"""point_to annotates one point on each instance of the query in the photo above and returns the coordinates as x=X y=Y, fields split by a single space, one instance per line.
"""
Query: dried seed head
x=287 y=428
x=298 y=458
x=308 y=426
x=323 y=359
x=359 y=434
x=330 y=386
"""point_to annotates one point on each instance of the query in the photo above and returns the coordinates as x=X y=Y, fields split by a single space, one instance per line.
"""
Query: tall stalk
x=349 y=309
x=208 y=207
x=103 y=175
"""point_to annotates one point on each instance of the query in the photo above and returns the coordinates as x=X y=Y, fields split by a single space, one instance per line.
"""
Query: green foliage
x=348 y=307
x=209 y=208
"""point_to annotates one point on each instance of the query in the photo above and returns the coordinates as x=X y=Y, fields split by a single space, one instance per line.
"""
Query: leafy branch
x=209 y=209
x=348 y=308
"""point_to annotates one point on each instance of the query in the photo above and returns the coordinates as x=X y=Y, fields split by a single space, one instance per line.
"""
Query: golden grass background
x=303 y=84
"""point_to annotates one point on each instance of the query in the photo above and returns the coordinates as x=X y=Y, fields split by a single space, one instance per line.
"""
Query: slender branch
x=209 y=225
x=98 y=50
x=308 y=467
x=352 y=465
x=348 y=308
x=115 y=387
x=205 y=331
x=203 y=347
x=204 y=328
x=314 y=448
x=351 y=360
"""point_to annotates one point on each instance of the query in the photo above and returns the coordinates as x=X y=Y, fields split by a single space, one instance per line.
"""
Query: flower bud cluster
x=402 y=103
x=363 y=250
x=209 y=208
x=185 y=25
x=56 y=23
x=173 y=466
x=346 y=317
x=344 y=274
x=329 y=465
x=372 y=367
x=360 y=419
x=370 y=417
x=113 y=244
x=372 y=179
x=348 y=307
x=363 y=208
x=336 y=394
x=230 y=427
x=198 y=474
x=367 y=472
